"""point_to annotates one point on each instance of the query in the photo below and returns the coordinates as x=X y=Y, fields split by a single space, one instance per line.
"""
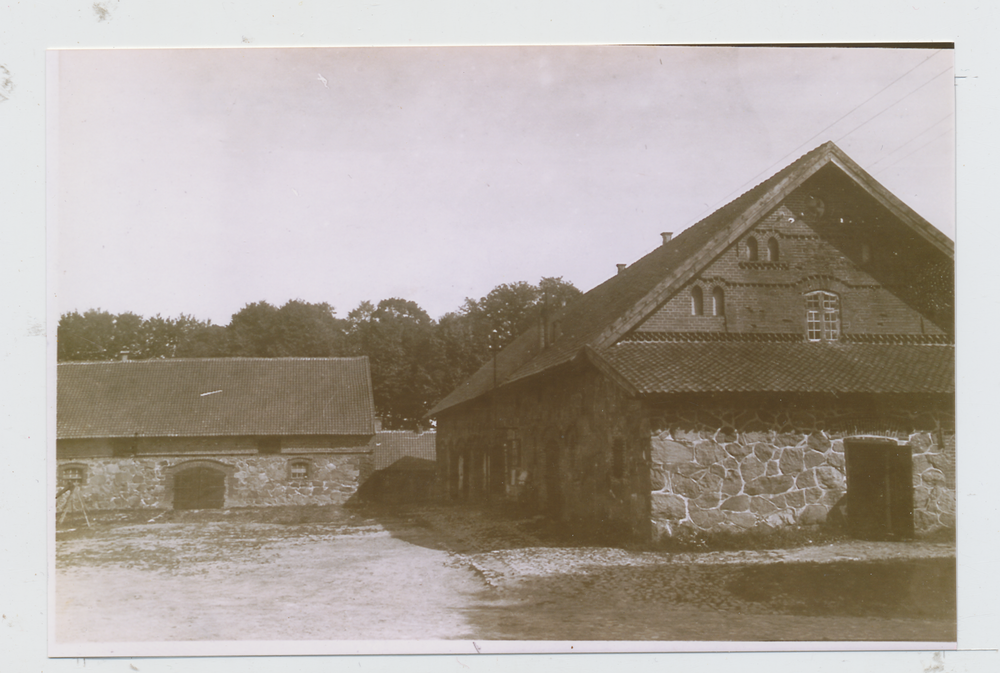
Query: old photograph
x=602 y=348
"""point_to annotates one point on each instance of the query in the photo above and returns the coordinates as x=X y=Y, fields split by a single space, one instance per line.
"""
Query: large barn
x=211 y=433
x=786 y=359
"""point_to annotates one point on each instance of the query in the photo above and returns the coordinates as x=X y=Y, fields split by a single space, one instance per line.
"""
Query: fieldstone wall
x=251 y=481
x=731 y=468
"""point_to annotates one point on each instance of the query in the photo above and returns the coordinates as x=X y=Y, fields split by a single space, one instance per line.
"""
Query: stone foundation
x=707 y=475
x=251 y=481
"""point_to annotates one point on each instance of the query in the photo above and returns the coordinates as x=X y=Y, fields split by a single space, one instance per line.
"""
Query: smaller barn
x=405 y=468
x=213 y=433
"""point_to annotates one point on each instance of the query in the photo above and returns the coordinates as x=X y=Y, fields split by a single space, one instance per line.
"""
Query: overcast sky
x=197 y=181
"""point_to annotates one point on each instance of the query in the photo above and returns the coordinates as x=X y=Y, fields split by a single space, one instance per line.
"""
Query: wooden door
x=879 y=489
x=199 y=488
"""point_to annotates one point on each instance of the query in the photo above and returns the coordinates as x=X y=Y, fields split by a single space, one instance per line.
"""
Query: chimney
x=666 y=236
x=621 y=267
x=124 y=356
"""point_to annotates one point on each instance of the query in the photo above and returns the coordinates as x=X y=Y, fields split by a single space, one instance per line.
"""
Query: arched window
x=718 y=301
x=752 y=249
x=697 y=301
x=772 y=250
x=822 y=316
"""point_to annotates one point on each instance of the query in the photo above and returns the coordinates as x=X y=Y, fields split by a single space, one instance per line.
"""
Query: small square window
x=73 y=476
x=298 y=470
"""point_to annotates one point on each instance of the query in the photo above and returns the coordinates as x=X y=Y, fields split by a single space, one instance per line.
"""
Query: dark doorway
x=199 y=488
x=495 y=471
x=879 y=489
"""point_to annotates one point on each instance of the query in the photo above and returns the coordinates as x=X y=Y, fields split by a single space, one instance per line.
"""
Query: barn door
x=199 y=488
x=879 y=489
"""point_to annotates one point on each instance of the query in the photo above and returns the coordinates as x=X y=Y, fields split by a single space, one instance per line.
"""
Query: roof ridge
x=609 y=310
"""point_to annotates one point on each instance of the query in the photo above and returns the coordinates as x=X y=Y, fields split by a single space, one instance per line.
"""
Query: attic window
x=772 y=250
x=751 y=249
x=822 y=316
x=697 y=301
x=298 y=470
x=718 y=301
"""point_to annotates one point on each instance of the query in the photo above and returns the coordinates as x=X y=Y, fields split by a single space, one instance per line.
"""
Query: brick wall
x=893 y=291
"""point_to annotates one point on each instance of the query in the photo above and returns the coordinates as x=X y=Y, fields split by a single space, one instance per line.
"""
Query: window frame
x=718 y=301
x=304 y=463
x=73 y=482
x=753 y=249
x=773 y=249
x=697 y=301
x=823 y=316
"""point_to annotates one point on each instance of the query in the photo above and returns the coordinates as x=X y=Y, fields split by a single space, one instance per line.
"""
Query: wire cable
x=872 y=166
x=798 y=148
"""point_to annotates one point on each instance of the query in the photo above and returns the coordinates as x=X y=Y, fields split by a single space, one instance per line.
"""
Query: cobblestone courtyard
x=441 y=573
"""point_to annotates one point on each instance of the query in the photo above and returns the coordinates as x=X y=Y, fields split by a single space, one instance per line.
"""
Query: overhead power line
x=908 y=154
x=885 y=109
x=806 y=143
x=890 y=154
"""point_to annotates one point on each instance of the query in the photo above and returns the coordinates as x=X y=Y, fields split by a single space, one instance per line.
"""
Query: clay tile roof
x=600 y=317
x=784 y=367
x=392 y=445
x=213 y=397
x=589 y=315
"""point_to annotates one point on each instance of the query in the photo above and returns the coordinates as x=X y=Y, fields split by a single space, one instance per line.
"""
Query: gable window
x=298 y=470
x=772 y=250
x=822 y=316
x=752 y=249
x=697 y=301
x=718 y=302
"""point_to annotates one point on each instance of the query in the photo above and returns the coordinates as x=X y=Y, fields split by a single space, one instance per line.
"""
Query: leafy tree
x=252 y=331
x=509 y=310
x=99 y=335
x=297 y=329
x=399 y=339
x=203 y=340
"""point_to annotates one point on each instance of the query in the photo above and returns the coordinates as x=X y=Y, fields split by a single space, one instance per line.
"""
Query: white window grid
x=822 y=316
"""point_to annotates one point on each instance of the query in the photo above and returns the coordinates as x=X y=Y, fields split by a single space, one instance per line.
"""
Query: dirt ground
x=439 y=573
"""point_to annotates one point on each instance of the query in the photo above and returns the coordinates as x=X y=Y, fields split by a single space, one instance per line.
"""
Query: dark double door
x=879 y=489
x=199 y=488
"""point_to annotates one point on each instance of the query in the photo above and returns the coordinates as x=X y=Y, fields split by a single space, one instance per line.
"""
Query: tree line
x=415 y=360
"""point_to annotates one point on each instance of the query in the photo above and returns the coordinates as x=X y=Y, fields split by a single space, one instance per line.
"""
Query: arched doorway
x=199 y=487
